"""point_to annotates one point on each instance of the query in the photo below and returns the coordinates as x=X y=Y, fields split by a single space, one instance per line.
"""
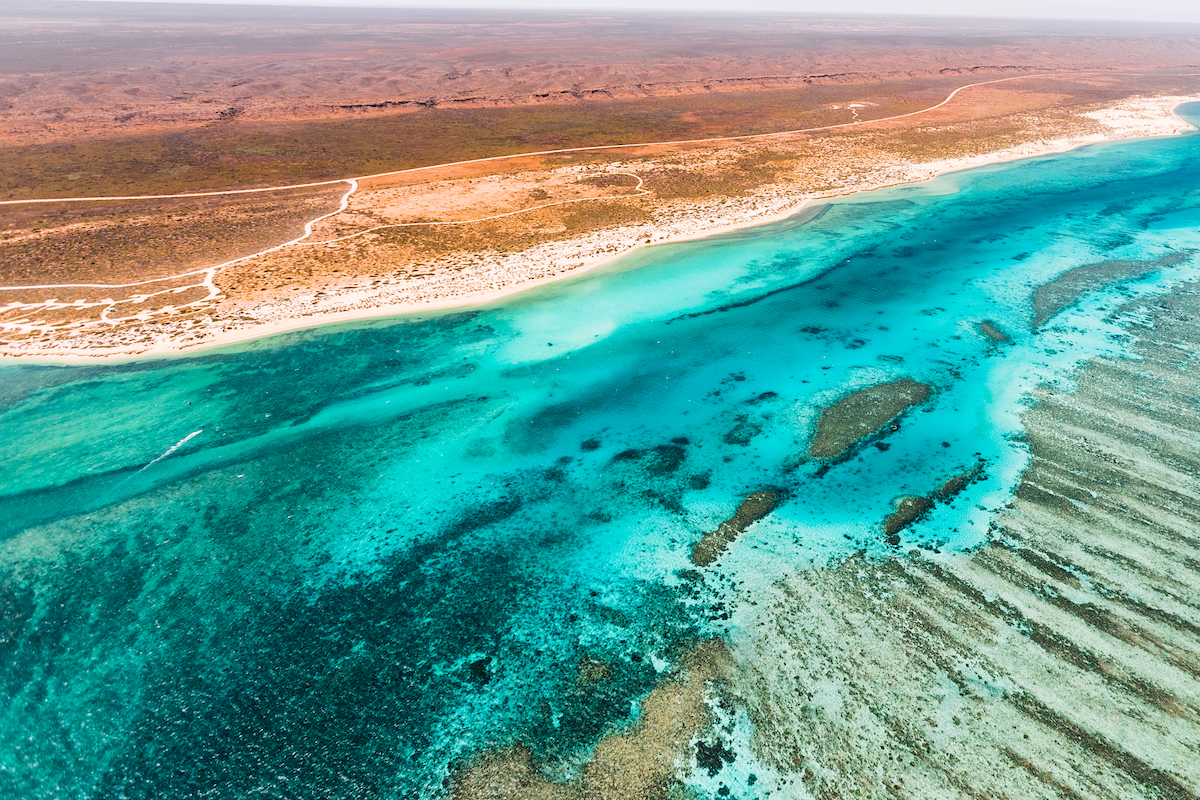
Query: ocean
x=344 y=561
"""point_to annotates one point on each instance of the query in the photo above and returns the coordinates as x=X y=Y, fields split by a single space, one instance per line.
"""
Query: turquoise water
x=385 y=548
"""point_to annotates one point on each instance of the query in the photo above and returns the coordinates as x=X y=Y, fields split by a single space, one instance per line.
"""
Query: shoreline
x=1121 y=117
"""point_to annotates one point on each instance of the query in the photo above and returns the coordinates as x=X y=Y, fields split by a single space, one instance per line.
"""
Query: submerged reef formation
x=857 y=416
x=752 y=509
x=635 y=764
x=1061 y=659
x=912 y=508
x=1068 y=288
x=993 y=332
x=909 y=509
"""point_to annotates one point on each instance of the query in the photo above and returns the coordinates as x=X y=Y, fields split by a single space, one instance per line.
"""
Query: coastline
x=1131 y=118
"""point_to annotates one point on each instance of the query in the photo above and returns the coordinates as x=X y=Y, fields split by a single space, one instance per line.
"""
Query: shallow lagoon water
x=390 y=546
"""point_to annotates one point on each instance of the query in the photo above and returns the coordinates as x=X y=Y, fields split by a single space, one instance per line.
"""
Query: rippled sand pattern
x=1061 y=660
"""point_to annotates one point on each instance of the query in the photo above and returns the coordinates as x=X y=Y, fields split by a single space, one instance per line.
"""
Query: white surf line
x=174 y=447
x=638 y=191
x=558 y=151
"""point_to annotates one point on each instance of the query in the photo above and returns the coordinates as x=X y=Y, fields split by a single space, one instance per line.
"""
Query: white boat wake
x=173 y=448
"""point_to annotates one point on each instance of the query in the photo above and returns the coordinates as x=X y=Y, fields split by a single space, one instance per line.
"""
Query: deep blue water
x=390 y=546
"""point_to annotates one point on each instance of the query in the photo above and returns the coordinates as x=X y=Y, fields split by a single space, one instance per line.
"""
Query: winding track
x=558 y=151
x=638 y=191
x=209 y=273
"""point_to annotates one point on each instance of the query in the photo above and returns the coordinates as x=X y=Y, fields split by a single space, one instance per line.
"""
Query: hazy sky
x=1149 y=10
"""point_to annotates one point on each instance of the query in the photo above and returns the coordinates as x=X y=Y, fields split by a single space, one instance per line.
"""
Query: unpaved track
x=559 y=151
x=209 y=273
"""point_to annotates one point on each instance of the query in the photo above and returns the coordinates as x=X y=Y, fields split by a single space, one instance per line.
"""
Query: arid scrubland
x=129 y=276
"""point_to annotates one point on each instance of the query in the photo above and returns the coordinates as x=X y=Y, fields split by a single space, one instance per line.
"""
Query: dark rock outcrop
x=859 y=415
x=752 y=509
